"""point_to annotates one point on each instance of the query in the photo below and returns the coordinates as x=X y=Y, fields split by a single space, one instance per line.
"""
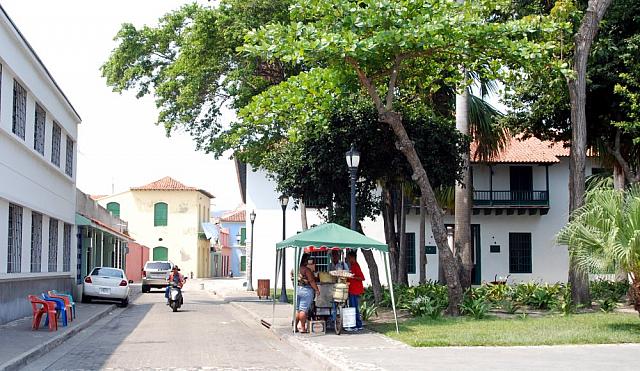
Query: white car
x=106 y=283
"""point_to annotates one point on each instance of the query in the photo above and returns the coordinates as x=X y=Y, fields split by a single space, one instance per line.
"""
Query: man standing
x=356 y=288
x=336 y=264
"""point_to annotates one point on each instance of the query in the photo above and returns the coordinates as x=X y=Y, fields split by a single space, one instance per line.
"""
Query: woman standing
x=306 y=289
x=356 y=288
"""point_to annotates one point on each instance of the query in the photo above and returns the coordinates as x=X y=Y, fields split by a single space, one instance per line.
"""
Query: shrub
x=368 y=310
x=509 y=305
x=426 y=306
x=497 y=293
x=603 y=290
x=608 y=305
x=476 y=307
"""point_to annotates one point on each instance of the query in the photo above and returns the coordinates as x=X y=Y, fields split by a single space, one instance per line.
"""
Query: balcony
x=510 y=202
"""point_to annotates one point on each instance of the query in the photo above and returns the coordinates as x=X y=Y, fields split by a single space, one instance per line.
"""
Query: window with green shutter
x=160 y=214
x=411 y=252
x=114 y=209
x=243 y=235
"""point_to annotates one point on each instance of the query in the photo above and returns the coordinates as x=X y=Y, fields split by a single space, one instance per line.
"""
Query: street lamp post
x=252 y=217
x=353 y=160
x=284 y=200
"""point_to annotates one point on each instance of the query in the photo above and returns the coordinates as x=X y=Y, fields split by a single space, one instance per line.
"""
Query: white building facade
x=521 y=201
x=38 y=146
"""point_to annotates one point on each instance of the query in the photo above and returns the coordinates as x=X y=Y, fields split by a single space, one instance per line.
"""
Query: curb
x=330 y=364
x=24 y=358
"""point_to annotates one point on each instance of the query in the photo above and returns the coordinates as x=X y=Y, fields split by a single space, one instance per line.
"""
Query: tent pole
x=393 y=300
x=275 y=287
x=296 y=267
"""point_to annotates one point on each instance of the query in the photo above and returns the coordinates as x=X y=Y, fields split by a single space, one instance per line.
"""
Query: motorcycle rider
x=175 y=277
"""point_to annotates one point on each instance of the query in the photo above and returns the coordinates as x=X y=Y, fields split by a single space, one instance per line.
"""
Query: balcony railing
x=511 y=198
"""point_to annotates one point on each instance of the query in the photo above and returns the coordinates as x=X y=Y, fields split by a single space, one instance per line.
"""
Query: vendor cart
x=332 y=298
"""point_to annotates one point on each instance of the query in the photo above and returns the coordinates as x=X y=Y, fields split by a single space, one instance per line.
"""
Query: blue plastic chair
x=73 y=303
x=60 y=307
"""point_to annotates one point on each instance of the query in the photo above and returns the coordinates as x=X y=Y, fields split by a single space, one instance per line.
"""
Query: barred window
x=56 y=139
x=39 y=128
x=36 y=242
x=53 y=245
x=411 y=252
x=66 y=248
x=69 y=164
x=14 y=250
x=19 y=109
x=519 y=252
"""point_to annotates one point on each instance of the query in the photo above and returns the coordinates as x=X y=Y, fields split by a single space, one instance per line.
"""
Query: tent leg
x=393 y=300
x=275 y=287
x=296 y=267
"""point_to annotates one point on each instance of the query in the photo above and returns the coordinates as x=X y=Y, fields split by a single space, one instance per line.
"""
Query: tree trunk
x=388 y=218
x=373 y=274
x=422 y=242
x=583 y=39
x=402 y=261
x=618 y=177
x=303 y=215
x=450 y=266
x=463 y=201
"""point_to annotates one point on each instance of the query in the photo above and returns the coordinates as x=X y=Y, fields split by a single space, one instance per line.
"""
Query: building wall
x=549 y=261
x=182 y=236
x=29 y=179
x=238 y=250
x=137 y=256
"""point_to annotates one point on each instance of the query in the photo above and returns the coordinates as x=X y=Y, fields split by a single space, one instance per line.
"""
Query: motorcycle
x=175 y=296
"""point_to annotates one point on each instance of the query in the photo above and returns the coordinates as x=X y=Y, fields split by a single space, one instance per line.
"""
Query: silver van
x=155 y=274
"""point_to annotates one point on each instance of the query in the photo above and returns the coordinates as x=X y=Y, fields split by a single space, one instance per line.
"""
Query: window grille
x=519 y=252
x=321 y=258
x=160 y=211
x=411 y=252
x=36 y=242
x=39 y=130
x=14 y=250
x=66 y=248
x=69 y=163
x=53 y=245
x=56 y=140
x=19 y=110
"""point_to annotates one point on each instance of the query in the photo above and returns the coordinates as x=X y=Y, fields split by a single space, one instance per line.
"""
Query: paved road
x=206 y=333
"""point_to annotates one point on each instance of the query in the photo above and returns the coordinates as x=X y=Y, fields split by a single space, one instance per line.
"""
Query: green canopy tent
x=331 y=236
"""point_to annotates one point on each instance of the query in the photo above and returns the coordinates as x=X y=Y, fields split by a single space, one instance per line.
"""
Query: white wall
x=29 y=179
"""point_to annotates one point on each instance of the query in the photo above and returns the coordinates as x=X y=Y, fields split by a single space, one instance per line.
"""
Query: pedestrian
x=307 y=287
x=336 y=263
x=356 y=288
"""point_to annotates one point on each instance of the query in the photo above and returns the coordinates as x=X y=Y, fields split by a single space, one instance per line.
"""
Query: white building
x=521 y=201
x=38 y=134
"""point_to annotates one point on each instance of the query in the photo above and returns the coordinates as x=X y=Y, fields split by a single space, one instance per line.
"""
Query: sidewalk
x=19 y=344
x=368 y=350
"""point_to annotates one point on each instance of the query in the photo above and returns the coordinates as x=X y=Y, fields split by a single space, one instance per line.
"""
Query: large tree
x=399 y=44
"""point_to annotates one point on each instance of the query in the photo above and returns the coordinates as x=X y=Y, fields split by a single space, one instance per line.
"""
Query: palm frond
x=489 y=136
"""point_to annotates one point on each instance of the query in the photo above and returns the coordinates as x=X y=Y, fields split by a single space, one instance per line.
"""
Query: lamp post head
x=353 y=158
x=284 y=200
x=252 y=216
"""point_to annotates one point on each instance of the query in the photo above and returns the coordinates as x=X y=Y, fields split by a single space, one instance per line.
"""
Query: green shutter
x=160 y=253
x=243 y=235
x=243 y=263
x=114 y=209
x=160 y=211
x=411 y=252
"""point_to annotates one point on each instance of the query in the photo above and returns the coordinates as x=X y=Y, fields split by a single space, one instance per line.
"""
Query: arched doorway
x=160 y=253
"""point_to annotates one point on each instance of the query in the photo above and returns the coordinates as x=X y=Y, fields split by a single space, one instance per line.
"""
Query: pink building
x=137 y=256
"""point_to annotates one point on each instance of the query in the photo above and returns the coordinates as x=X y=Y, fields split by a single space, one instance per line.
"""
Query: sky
x=119 y=145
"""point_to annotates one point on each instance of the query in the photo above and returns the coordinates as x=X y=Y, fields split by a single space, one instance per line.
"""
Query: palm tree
x=604 y=235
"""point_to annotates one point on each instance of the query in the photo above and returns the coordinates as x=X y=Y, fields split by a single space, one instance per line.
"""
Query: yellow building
x=167 y=216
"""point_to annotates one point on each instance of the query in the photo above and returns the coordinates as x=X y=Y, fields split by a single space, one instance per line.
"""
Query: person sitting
x=336 y=264
x=176 y=277
x=307 y=289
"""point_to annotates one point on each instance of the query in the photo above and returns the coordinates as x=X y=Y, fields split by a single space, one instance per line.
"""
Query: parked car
x=106 y=283
x=155 y=274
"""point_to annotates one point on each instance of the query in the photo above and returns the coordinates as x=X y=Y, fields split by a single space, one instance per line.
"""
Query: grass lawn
x=588 y=328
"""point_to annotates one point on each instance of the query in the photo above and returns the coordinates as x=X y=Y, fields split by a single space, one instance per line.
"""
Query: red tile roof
x=169 y=184
x=530 y=150
x=97 y=197
x=237 y=216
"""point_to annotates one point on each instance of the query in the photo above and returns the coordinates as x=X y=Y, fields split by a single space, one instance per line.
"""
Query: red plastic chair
x=41 y=307
x=67 y=304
